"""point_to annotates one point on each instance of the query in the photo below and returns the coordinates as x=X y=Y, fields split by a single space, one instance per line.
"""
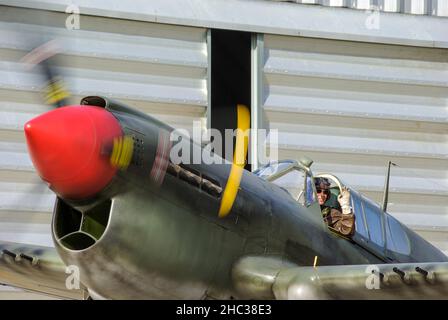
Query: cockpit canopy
x=291 y=176
x=375 y=230
x=273 y=168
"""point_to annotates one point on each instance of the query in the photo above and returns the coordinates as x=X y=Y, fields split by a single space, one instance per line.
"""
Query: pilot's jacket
x=341 y=223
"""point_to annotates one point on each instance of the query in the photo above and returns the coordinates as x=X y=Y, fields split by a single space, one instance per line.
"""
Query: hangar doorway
x=230 y=78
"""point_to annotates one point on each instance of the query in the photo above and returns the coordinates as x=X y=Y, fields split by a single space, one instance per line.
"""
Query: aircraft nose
x=66 y=145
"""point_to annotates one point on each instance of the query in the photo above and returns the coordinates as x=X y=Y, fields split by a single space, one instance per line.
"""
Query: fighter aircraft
x=136 y=225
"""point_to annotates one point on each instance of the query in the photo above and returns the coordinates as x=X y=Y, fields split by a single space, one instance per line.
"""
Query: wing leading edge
x=37 y=269
x=268 y=277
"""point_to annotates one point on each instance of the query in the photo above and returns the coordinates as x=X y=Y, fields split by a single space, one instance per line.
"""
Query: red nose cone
x=65 y=147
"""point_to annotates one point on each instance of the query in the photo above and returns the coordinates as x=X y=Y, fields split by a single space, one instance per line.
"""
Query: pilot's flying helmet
x=322 y=184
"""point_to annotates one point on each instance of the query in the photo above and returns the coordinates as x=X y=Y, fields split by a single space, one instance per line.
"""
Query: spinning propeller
x=77 y=149
x=97 y=145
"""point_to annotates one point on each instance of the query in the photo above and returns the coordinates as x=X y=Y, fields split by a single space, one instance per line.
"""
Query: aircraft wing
x=267 y=277
x=37 y=269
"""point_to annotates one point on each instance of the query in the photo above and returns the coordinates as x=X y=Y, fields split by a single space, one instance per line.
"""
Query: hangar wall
x=351 y=106
x=159 y=69
x=423 y=7
x=354 y=106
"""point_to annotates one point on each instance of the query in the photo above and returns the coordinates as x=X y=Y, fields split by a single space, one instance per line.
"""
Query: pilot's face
x=322 y=196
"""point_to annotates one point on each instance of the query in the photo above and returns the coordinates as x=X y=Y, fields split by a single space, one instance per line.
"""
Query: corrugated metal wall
x=350 y=106
x=353 y=106
x=425 y=7
x=159 y=69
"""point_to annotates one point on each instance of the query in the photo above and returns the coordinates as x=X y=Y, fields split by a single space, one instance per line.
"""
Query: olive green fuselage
x=167 y=241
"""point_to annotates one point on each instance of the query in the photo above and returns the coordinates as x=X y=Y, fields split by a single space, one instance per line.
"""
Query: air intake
x=77 y=230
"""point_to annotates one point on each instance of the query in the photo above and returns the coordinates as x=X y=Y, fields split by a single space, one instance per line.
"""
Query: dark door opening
x=230 y=78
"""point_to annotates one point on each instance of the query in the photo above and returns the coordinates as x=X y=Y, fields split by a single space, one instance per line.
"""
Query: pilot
x=337 y=214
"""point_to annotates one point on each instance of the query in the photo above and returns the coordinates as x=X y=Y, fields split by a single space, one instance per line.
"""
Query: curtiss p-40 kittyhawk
x=137 y=225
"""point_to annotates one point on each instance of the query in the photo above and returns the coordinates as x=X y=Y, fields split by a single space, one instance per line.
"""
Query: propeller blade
x=122 y=150
x=239 y=161
x=161 y=161
x=55 y=91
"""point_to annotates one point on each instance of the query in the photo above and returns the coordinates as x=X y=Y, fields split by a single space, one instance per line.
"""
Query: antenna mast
x=386 y=187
